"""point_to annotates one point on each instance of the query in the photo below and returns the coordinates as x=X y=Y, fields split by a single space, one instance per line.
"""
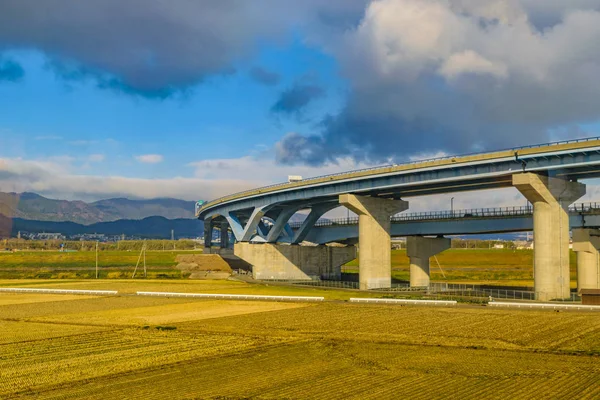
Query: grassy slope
x=110 y=347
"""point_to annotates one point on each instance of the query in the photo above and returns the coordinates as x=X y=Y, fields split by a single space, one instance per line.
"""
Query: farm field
x=472 y=266
x=128 y=346
x=130 y=286
x=82 y=264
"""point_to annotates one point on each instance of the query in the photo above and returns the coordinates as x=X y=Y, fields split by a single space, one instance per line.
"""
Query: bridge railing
x=441 y=158
x=495 y=212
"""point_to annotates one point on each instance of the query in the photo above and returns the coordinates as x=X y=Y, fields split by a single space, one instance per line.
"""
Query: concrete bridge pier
x=224 y=235
x=419 y=249
x=375 y=254
x=586 y=243
x=551 y=198
x=208 y=230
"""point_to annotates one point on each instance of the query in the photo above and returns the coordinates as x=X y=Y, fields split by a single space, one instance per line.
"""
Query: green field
x=72 y=347
x=494 y=266
x=474 y=266
x=82 y=264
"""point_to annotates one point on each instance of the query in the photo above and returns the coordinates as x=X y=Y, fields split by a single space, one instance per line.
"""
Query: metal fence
x=437 y=290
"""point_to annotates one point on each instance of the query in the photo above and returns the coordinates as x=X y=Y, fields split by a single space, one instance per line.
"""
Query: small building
x=498 y=246
x=590 y=297
x=49 y=236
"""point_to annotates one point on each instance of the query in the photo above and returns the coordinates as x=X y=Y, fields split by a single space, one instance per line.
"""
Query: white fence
x=232 y=296
x=405 y=301
x=544 y=306
x=58 y=291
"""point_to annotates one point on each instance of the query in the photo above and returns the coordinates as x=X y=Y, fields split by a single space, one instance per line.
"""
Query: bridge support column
x=315 y=213
x=224 y=235
x=281 y=222
x=375 y=247
x=551 y=198
x=419 y=249
x=208 y=229
x=586 y=242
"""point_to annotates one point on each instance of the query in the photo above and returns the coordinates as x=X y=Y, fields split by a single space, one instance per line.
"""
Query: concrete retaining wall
x=294 y=262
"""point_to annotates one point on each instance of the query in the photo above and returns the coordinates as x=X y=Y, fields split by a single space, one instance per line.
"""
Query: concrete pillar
x=224 y=235
x=586 y=243
x=208 y=227
x=375 y=247
x=551 y=198
x=419 y=249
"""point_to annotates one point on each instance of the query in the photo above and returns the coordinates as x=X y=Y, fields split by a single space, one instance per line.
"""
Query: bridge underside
x=464 y=226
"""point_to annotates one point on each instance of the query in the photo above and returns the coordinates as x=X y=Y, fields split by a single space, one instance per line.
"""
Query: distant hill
x=32 y=206
x=138 y=209
x=150 y=228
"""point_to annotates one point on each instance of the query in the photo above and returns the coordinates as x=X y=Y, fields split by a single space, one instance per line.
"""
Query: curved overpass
x=570 y=160
x=545 y=174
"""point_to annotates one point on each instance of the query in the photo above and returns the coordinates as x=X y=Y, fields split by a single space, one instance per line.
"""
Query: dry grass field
x=54 y=347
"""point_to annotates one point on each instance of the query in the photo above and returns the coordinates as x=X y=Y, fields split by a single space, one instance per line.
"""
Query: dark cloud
x=264 y=76
x=11 y=71
x=295 y=149
x=155 y=46
x=295 y=99
x=428 y=77
x=71 y=72
x=145 y=45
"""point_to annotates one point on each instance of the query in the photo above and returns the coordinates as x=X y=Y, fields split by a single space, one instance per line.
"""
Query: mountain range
x=150 y=227
x=31 y=206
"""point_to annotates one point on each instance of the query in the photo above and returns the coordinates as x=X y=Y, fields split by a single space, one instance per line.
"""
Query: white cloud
x=470 y=62
x=83 y=142
x=150 y=158
x=62 y=180
x=96 y=157
x=264 y=171
x=215 y=178
x=48 y=137
x=459 y=75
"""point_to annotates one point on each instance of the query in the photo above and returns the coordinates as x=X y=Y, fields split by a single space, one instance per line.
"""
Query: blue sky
x=200 y=99
x=226 y=116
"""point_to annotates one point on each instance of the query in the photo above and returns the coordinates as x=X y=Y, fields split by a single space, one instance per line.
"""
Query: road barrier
x=231 y=296
x=404 y=301
x=550 y=306
x=58 y=291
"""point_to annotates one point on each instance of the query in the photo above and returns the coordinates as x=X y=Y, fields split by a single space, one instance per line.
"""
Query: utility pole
x=96 y=259
x=452 y=206
x=145 y=258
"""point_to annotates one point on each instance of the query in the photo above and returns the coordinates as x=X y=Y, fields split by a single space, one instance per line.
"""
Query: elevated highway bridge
x=547 y=175
x=450 y=223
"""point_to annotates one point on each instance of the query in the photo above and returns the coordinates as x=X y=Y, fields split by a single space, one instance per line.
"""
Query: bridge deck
x=571 y=159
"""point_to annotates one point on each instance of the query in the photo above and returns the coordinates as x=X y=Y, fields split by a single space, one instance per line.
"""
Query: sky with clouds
x=194 y=100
